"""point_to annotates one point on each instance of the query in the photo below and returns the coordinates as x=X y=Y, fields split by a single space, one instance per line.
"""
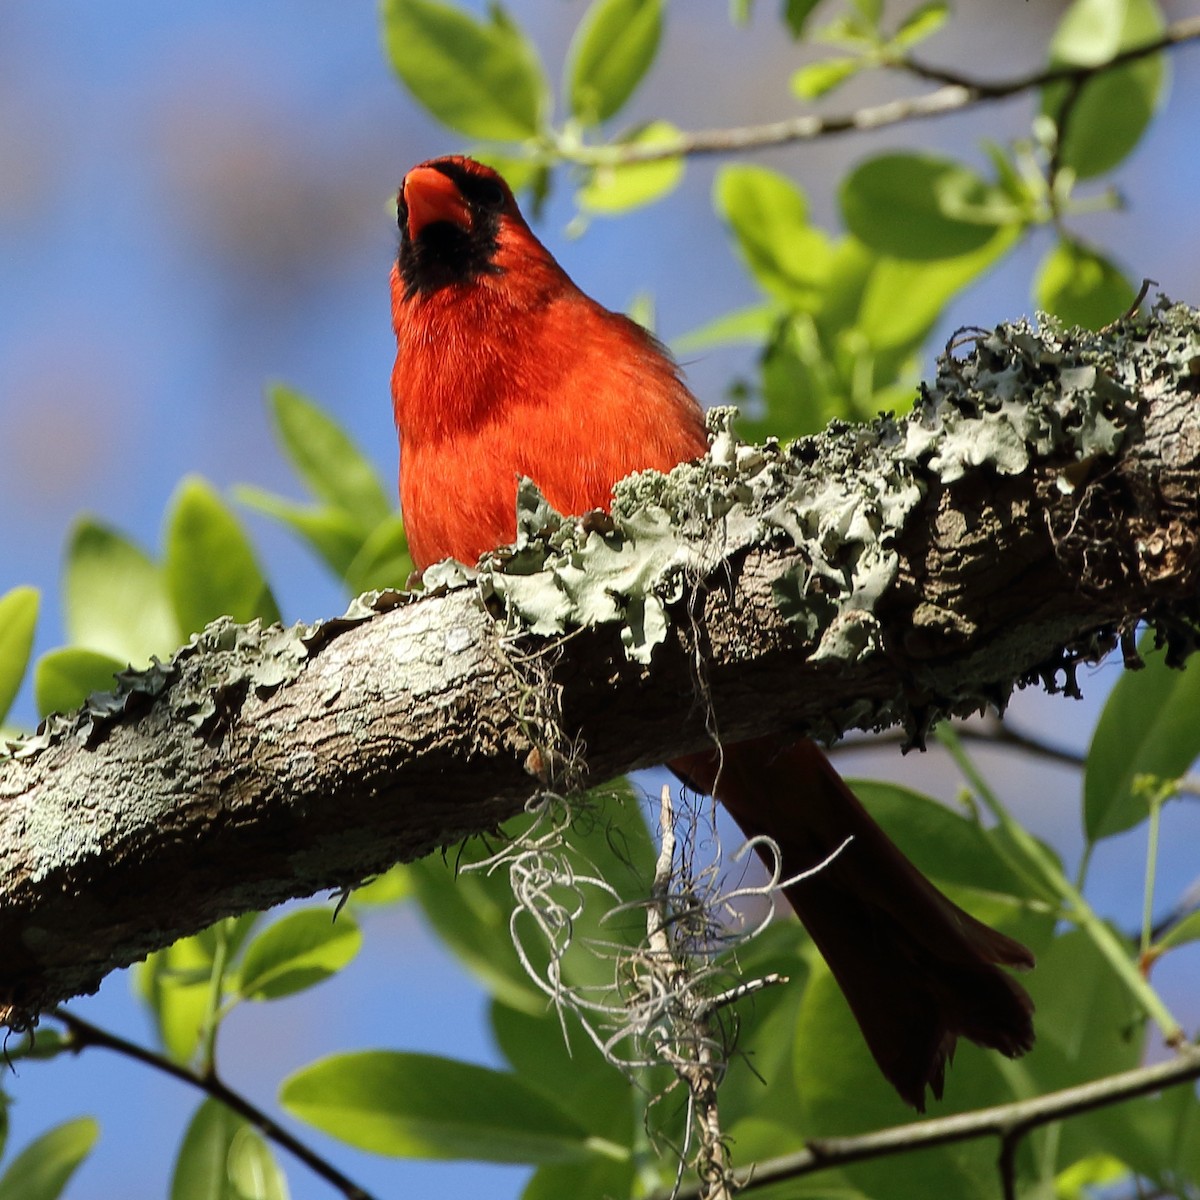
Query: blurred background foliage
x=195 y=202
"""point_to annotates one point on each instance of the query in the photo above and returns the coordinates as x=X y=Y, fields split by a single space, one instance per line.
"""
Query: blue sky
x=194 y=202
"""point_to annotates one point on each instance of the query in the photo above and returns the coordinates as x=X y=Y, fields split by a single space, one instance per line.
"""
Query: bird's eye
x=489 y=193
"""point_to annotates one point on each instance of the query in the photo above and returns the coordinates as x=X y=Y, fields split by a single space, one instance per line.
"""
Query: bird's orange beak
x=432 y=196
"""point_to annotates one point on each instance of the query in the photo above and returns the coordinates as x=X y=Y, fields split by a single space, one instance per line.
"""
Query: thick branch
x=1042 y=498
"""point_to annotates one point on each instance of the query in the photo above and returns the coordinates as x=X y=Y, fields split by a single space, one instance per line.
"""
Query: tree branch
x=82 y=1034
x=957 y=93
x=1008 y=1122
x=1043 y=497
x=994 y=733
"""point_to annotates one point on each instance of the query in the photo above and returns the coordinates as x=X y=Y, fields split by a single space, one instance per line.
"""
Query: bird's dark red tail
x=917 y=971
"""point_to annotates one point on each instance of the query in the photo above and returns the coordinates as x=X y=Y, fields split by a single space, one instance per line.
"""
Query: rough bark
x=1041 y=500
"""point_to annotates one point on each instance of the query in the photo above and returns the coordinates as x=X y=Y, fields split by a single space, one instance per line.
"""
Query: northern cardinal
x=505 y=368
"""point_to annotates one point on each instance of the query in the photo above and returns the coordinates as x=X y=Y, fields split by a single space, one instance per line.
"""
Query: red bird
x=505 y=368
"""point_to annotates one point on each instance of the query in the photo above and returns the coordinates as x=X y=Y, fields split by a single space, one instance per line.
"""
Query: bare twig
x=993 y=732
x=957 y=93
x=687 y=1044
x=740 y=992
x=1009 y=1122
x=990 y=733
x=83 y=1034
x=1134 y=308
x=1062 y=119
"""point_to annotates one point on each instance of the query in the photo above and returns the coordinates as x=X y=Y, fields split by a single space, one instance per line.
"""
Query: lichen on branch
x=1042 y=498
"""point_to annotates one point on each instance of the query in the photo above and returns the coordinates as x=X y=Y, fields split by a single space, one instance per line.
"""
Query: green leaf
x=796 y=14
x=587 y=1088
x=482 y=78
x=948 y=847
x=923 y=22
x=176 y=982
x=1010 y=178
x=1083 y=1014
x=424 y=1106
x=115 y=597
x=769 y=218
x=841 y=1091
x=819 y=78
x=296 y=952
x=211 y=569
x=1150 y=726
x=1081 y=287
x=871 y=10
x=596 y=1177
x=383 y=560
x=1092 y=31
x=471 y=911
x=223 y=1158
x=744 y=326
x=903 y=299
x=1088 y=1027
x=850 y=268
x=18 y=620
x=332 y=533
x=918 y=206
x=799 y=392
x=570 y=1070
x=1087 y=1176
x=1110 y=117
x=63 y=679
x=1111 y=111
x=1155 y=1136
x=618 y=188
x=391 y=887
x=758 y=1081
x=43 y=1169
x=840 y=1088
x=610 y=53
x=1188 y=930
x=40 y=1044
x=331 y=466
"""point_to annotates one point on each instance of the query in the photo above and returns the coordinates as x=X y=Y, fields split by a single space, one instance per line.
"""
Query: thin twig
x=997 y=733
x=992 y=734
x=1009 y=1122
x=1000 y=734
x=690 y=1049
x=1062 y=119
x=740 y=992
x=951 y=97
x=84 y=1034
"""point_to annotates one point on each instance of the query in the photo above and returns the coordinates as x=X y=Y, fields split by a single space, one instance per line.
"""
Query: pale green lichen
x=562 y=573
x=667 y=529
x=1023 y=397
